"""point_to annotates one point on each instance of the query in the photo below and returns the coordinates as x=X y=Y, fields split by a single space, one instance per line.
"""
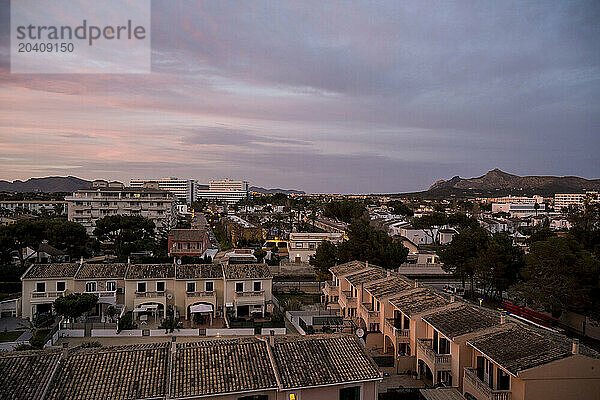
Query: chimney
x=575 y=347
x=366 y=264
x=81 y=261
x=65 y=351
x=389 y=273
x=451 y=298
x=173 y=344
x=128 y=260
x=502 y=317
x=416 y=283
x=272 y=338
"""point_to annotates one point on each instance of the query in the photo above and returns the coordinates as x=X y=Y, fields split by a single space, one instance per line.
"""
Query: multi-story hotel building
x=227 y=190
x=485 y=354
x=183 y=189
x=86 y=206
x=37 y=206
x=565 y=200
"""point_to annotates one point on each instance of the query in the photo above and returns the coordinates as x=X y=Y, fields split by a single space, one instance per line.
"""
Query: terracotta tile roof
x=518 y=348
x=125 y=372
x=461 y=320
x=58 y=270
x=369 y=275
x=113 y=270
x=150 y=271
x=347 y=268
x=199 y=271
x=247 y=271
x=321 y=360
x=419 y=300
x=442 y=393
x=187 y=235
x=390 y=286
x=25 y=374
x=214 y=367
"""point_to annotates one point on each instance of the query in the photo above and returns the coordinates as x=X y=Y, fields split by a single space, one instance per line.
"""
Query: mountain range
x=71 y=184
x=500 y=183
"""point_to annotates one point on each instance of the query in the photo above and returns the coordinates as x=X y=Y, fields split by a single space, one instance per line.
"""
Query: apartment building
x=226 y=190
x=566 y=200
x=183 y=189
x=197 y=292
x=301 y=246
x=315 y=367
x=447 y=341
x=86 y=206
x=35 y=206
x=520 y=210
x=516 y=200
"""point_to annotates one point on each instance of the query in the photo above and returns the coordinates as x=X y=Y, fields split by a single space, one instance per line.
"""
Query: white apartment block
x=34 y=205
x=87 y=206
x=516 y=200
x=564 y=200
x=519 y=209
x=184 y=189
x=227 y=190
x=301 y=246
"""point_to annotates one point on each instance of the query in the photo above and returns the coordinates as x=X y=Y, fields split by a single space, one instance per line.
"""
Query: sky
x=325 y=97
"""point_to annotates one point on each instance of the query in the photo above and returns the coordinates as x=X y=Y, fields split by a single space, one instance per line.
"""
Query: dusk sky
x=323 y=96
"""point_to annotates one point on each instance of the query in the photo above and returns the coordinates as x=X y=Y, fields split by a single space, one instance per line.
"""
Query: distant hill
x=273 y=191
x=47 y=184
x=500 y=183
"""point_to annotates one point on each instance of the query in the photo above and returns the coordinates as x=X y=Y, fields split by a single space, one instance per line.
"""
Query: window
x=40 y=287
x=444 y=346
x=141 y=287
x=502 y=380
x=61 y=286
x=209 y=286
x=257 y=286
x=90 y=286
x=160 y=286
x=111 y=286
x=239 y=286
x=190 y=287
x=350 y=393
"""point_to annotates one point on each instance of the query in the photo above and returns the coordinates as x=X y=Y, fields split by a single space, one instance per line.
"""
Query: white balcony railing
x=484 y=390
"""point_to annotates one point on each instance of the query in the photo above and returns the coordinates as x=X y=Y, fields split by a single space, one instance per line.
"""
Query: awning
x=145 y=307
x=201 y=308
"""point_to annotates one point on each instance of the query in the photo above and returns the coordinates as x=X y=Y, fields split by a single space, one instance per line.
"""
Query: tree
x=74 y=305
x=400 y=208
x=585 y=226
x=365 y=243
x=497 y=265
x=324 y=258
x=460 y=256
x=127 y=233
x=345 y=210
x=559 y=274
x=430 y=224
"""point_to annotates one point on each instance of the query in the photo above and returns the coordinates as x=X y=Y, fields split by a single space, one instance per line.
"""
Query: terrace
x=481 y=390
x=435 y=361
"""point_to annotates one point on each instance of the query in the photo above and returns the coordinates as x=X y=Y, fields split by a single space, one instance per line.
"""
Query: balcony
x=249 y=298
x=437 y=362
x=401 y=335
x=149 y=295
x=109 y=297
x=369 y=315
x=200 y=295
x=330 y=289
x=45 y=297
x=346 y=299
x=478 y=388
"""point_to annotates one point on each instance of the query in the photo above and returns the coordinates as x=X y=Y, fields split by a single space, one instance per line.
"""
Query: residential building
x=418 y=236
x=35 y=206
x=197 y=292
x=183 y=189
x=86 y=206
x=494 y=225
x=519 y=209
x=301 y=246
x=315 y=367
x=238 y=229
x=446 y=235
x=566 y=200
x=328 y=225
x=188 y=242
x=516 y=200
x=226 y=190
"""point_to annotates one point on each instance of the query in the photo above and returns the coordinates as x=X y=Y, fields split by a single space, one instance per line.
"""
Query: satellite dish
x=179 y=261
x=360 y=332
x=169 y=296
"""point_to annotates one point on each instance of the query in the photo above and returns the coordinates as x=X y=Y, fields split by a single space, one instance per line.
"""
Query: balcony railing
x=256 y=293
x=331 y=289
x=149 y=295
x=484 y=390
x=400 y=334
x=347 y=299
x=367 y=309
x=200 y=294
x=440 y=361
x=46 y=295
